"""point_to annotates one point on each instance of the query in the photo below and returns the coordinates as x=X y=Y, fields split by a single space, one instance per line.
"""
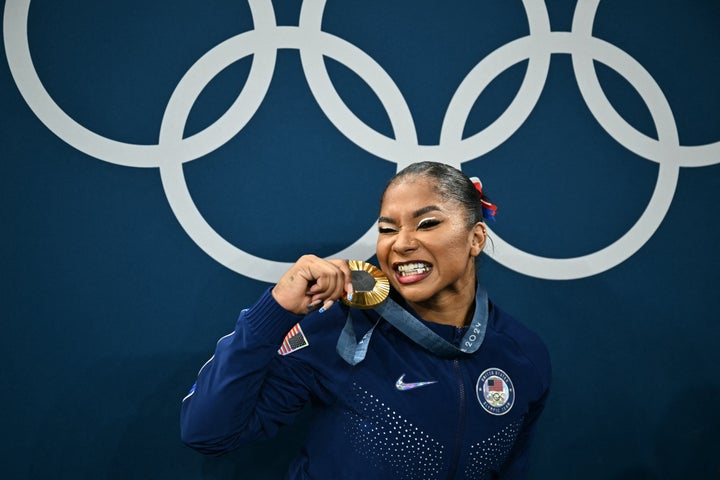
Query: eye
x=386 y=230
x=426 y=223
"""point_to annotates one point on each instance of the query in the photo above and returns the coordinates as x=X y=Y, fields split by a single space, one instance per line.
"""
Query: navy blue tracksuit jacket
x=402 y=413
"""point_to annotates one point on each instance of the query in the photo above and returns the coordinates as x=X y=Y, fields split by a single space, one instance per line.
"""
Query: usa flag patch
x=294 y=340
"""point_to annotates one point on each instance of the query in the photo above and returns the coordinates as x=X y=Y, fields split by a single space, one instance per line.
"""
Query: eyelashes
x=424 y=224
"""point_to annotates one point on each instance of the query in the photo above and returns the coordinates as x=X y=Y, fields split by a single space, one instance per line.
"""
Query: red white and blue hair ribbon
x=489 y=209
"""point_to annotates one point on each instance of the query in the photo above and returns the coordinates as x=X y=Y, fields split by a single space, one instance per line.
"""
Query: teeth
x=413 y=268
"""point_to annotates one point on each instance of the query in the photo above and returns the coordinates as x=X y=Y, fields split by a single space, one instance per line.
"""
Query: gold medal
x=371 y=285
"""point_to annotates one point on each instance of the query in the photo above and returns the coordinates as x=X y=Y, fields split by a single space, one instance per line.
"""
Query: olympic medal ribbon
x=354 y=352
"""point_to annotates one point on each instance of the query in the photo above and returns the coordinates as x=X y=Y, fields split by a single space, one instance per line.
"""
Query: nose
x=405 y=241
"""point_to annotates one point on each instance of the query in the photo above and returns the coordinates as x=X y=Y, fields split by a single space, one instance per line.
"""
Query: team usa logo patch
x=294 y=340
x=495 y=391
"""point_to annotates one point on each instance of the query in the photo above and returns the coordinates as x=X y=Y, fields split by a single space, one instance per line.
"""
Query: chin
x=414 y=293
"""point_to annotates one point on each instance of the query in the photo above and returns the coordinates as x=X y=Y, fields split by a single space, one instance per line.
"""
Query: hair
x=449 y=182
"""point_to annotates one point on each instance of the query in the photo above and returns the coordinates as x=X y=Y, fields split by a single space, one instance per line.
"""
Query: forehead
x=412 y=193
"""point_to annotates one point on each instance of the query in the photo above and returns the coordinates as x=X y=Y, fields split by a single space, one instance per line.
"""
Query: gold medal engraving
x=371 y=285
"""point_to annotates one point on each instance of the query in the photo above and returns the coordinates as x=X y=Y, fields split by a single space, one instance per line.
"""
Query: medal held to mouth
x=372 y=289
x=371 y=285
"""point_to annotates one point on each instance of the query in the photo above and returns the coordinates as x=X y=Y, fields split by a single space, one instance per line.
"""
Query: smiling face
x=425 y=245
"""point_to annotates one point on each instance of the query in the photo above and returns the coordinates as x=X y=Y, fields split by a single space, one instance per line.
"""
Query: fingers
x=347 y=276
x=313 y=282
x=333 y=281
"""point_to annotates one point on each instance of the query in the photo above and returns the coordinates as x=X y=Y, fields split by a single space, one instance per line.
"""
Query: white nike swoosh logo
x=400 y=385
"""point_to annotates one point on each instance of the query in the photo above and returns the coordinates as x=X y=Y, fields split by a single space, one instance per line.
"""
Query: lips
x=411 y=272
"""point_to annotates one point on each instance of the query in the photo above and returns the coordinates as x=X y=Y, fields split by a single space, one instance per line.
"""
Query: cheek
x=457 y=249
x=381 y=250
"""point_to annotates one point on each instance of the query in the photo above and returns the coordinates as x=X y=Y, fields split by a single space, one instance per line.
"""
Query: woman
x=443 y=383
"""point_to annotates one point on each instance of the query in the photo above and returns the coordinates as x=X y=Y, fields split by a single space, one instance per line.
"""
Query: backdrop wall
x=162 y=162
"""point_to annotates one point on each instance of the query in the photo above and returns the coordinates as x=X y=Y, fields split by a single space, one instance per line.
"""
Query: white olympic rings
x=266 y=38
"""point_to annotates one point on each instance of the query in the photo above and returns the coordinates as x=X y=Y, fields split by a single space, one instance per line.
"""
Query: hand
x=312 y=282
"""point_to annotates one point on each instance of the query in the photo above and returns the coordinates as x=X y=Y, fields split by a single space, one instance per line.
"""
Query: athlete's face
x=424 y=243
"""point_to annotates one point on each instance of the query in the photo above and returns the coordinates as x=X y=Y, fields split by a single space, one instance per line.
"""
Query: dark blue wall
x=112 y=300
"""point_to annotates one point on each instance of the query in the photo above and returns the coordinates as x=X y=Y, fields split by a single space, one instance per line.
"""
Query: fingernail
x=326 y=306
x=349 y=297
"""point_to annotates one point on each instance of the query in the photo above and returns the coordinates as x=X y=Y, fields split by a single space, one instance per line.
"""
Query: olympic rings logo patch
x=313 y=44
x=495 y=391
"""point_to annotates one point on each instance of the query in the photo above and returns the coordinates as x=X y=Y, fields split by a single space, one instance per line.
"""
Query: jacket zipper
x=460 y=430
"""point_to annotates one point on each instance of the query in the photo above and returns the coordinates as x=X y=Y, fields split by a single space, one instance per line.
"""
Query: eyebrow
x=417 y=213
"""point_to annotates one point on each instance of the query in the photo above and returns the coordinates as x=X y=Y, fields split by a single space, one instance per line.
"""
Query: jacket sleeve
x=245 y=391
x=518 y=462
x=517 y=465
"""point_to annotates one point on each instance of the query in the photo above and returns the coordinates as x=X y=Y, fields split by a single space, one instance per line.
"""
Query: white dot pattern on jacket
x=391 y=442
x=488 y=455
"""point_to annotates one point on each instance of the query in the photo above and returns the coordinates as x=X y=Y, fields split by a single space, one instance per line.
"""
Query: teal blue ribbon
x=353 y=352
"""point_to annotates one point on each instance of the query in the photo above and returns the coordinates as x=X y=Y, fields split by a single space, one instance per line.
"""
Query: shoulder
x=526 y=342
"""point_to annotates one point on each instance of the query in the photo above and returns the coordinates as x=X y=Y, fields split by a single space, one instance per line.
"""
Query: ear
x=478 y=239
